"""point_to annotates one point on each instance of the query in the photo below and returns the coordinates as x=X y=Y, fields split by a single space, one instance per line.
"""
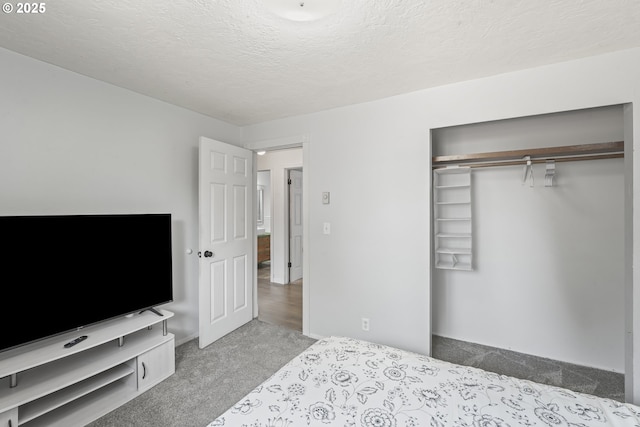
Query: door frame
x=296 y=141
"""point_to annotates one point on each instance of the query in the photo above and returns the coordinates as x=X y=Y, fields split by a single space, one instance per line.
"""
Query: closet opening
x=544 y=295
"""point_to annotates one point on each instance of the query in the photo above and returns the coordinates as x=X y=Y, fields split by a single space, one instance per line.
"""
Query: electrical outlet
x=326 y=228
x=365 y=324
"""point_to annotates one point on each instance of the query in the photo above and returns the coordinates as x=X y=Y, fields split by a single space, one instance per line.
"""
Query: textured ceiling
x=236 y=61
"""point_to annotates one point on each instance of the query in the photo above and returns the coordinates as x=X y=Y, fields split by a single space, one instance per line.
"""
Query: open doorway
x=280 y=237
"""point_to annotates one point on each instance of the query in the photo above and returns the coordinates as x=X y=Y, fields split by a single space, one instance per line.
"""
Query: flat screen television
x=65 y=272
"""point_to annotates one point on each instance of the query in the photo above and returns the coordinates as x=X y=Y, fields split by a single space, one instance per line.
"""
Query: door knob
x=208 y=254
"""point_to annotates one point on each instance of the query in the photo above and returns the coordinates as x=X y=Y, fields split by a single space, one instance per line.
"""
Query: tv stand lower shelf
x=42 y=385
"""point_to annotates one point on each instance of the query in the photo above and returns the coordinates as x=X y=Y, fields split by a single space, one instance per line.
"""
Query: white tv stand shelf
x=46 y=384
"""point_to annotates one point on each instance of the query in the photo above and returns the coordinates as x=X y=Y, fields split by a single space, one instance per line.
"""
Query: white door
x=226 y=233
x=295 y=225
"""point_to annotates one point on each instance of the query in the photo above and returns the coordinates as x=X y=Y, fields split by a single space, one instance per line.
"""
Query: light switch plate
x=326 y=198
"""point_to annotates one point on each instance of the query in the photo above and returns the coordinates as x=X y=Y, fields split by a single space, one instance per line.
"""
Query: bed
x=342 y=381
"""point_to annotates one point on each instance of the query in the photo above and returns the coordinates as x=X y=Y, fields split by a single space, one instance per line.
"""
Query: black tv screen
x=64 y=272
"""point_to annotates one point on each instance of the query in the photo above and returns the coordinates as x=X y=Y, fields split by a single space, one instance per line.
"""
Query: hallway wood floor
x=279 y=304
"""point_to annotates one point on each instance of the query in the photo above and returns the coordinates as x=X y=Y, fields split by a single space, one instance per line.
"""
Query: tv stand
x=153 y=310
x=48 y=384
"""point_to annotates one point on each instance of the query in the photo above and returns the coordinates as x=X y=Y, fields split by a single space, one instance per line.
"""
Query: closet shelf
x=456 y=251
x=568 y=153
x=454 y=266
x=452 y=212
x=454 y=235
x=440 y=187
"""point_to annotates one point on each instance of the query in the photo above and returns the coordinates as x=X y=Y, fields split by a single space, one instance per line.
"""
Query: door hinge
x=289 y=265
x=289 y=182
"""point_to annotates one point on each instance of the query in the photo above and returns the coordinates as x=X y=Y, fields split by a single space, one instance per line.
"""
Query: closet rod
x=534 y=161
x=606 y=150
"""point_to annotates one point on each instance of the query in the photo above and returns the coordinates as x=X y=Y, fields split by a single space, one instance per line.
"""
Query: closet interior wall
x=548 y=276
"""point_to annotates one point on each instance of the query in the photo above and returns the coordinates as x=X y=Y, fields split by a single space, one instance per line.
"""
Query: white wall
x=278 y=162
x=374 y=158
x=549 y=270
x=71 y=144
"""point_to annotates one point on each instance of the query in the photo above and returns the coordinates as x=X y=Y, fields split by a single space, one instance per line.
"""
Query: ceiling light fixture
x=299 y=10
x=260 y=153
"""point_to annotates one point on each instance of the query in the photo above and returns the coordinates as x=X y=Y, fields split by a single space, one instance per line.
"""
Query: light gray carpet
x=546 y=371
x=209 y=381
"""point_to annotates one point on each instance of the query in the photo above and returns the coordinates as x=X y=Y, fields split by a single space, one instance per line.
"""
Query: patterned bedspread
x=347 y=382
